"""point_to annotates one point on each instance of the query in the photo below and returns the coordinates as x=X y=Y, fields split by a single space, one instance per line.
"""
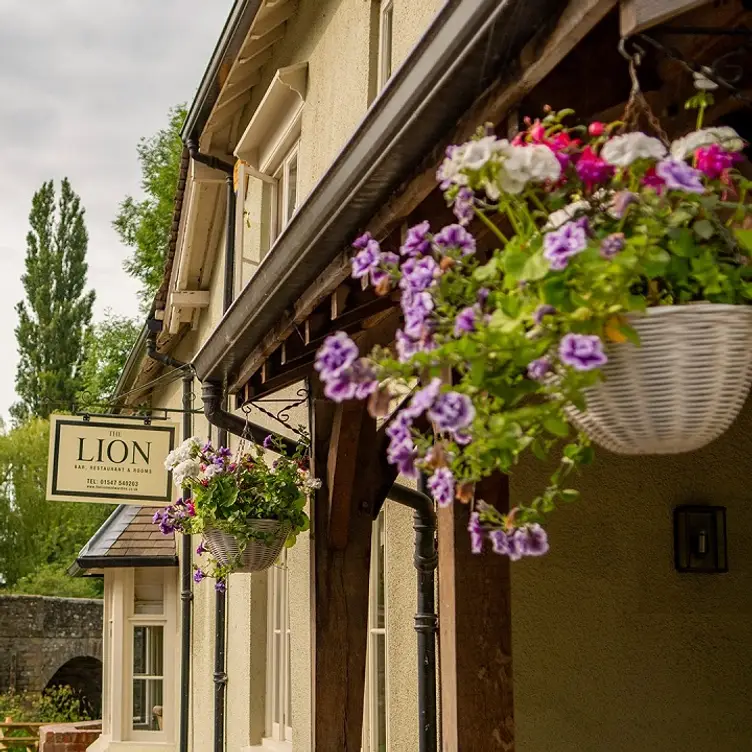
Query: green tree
x=144 y=225
x=39 y=540
x=53 y=320
x=108 y=344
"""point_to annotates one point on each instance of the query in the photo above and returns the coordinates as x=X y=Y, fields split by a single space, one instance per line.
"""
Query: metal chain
x=637 y=104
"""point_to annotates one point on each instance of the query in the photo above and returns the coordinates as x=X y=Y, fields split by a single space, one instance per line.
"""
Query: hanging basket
x=680 y=389
x=259 y=553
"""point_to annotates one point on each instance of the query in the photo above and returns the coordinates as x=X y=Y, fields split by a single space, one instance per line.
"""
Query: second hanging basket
x=259 y=552
x=680 y=389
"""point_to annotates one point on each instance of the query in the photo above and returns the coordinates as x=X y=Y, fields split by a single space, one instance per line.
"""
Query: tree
x=53 y=320
x=144 y=225
x=39 y=540
x=108 y=344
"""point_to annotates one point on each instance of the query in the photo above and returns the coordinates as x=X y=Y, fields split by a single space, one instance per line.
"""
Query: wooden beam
x=190 y=298
x=638 y=15
x=340 y=587
x=268 y=21
x=475 y=633
x=342 y=468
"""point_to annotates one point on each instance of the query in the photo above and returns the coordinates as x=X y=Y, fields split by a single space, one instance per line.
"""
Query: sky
x=81 y=81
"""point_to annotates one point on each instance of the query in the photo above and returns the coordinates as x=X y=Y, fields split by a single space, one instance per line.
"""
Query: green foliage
x=108 y=344
x=53 y=319
x=39 y=540
x=144 y=225
x=55 y=705
x=53 y=580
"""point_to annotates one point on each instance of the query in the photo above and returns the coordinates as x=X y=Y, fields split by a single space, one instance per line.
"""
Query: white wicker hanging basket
x=680 y=389
x=259 y=553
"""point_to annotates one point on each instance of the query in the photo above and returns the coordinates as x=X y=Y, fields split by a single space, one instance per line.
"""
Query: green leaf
x=744 y=237
x=501 y=322
x=536 y=267
x=539 y=450
x=656 y=262
x=587 y=455
x=703 y=229
x=514 y=262
x=556 y=426
x=682 y=243
x=487 y=271
x=569 y=494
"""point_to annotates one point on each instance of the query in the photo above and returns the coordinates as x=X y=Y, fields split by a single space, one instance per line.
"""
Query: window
x=386 y=20
x=286 y=192
x=148 y=677
x=375 y=726
x=278 y=663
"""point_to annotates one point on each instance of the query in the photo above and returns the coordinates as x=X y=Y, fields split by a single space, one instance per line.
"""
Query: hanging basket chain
x=637 y=104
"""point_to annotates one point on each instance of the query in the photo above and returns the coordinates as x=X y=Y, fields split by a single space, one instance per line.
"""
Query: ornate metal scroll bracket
x=281 y=415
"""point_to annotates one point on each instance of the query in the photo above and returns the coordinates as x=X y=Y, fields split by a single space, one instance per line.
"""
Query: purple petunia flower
x=583 y=352
x=499 y=541
x=476 y=533
x=362 y=241
x=612 y=245
x=533 y=540
x=198 y=576
x=406 y=346
x=452 y=412
x=482 y=295
x=379 y=273
x=679 y=176
x=423 y=399
x=398 y=429
x=201 y=549
x=340 y=388
x=416 y=312
x=416 y=241
x=364 y=378
x=560 y=245
x=538 y=369
x=157 y=517
x=365 y=260
x=441 y=486
x=465 y=321
x=403 y=455
x=455 y=236
x=269 y=442
x=621 y=202
x=419 y=274
x=206 y=448
x=541 y=312
x=337 y=353
x=225 y=452
x=464 y=206
x=515 y=546
x=220 y=586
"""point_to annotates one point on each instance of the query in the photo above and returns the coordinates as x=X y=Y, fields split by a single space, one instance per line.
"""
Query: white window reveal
x=148 y=677
x=278 y=662
x=375 y=715
x=268 y=153
x=386 y=26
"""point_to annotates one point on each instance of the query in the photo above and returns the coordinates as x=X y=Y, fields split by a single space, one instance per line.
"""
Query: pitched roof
x=128 y=538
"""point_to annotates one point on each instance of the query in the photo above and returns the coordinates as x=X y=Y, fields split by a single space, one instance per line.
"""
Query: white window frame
x=281 y=193
x=376 y=689
x=278 y=735
x=386 y=42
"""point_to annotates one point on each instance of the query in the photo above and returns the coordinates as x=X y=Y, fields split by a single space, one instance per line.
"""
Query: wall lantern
x=700 y=539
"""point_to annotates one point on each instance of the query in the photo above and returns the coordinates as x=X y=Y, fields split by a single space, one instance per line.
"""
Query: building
x=315 y=120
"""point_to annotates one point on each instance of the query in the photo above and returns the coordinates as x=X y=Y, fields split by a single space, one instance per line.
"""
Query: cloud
x=81 y=82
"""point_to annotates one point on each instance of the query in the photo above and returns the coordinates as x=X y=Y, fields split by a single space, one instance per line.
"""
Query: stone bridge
x=47 y=642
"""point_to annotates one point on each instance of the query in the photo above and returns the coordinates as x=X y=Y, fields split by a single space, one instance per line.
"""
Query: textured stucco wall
x=613 y=649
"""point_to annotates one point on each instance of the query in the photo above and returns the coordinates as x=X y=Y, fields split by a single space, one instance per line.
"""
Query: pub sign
x=109 y=460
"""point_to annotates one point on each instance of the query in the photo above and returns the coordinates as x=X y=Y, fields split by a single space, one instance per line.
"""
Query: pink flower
x=596 y=129
x=537 y=132
x=714 y=160
x=190 y=508
x=591 y=169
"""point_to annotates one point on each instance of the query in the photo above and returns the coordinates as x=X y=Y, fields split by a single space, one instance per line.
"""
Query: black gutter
x=186 y=585
x=426 y=560
x=84 y=563
x=464 y=50
x=186 y=548
x=231 y=39
x=208 y=160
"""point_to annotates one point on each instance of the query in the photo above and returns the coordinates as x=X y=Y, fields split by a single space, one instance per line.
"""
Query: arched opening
x=84 y=676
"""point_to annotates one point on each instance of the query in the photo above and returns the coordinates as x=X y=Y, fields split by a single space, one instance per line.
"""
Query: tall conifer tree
x=56 y=314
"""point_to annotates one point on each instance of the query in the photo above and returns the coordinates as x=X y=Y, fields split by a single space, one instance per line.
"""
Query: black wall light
x=700 y=539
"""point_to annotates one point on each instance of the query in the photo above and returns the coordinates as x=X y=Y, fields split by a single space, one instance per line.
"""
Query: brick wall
x=69 y=737
x=38 y=635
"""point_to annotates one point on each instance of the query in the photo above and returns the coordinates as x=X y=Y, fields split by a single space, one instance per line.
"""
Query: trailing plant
x=228 y=492
x=591 y=226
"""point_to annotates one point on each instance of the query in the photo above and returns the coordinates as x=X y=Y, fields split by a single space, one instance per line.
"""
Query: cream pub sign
x=109 y=460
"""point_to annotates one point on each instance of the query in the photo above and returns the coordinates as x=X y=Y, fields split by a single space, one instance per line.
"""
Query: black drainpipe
x=426 y=622
x=220 y=609
x=186 y=552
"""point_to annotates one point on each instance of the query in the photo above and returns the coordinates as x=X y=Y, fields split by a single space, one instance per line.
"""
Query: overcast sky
x=80 y=82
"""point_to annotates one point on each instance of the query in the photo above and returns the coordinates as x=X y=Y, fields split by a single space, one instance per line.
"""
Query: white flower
x=727 y=137
x=211 y=471
x=525 y=164
x=185 y=470
x=476 y=154
x=562 y=216
x=312 y=484
x=622 y=150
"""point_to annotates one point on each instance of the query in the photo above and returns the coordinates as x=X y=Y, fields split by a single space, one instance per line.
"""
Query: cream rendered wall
x=613 y=650
x=411 y=19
